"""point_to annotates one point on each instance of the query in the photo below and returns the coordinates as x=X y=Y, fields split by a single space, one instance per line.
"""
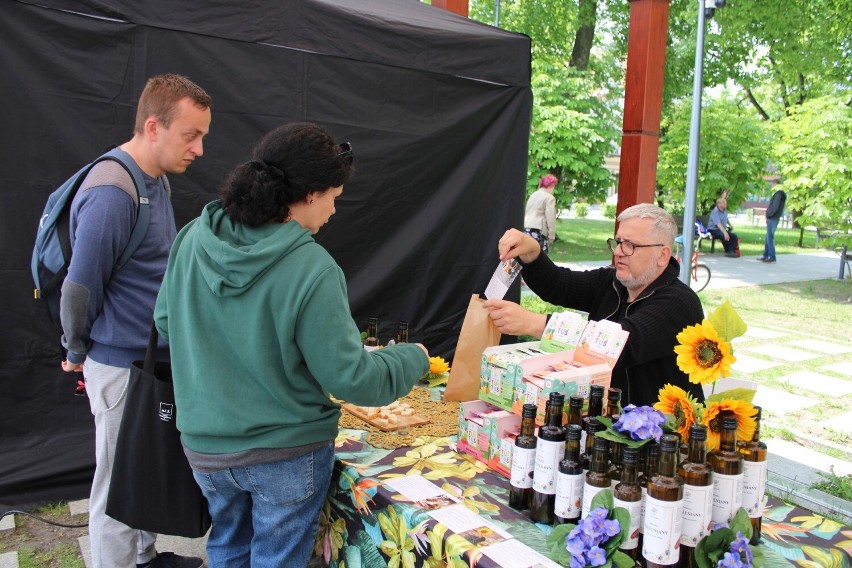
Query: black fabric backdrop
x=437 y=108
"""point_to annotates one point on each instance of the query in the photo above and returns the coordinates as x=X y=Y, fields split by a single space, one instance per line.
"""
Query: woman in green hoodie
x=261 y=335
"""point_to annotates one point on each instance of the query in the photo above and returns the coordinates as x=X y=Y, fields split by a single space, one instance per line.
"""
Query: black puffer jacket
x=653 y=319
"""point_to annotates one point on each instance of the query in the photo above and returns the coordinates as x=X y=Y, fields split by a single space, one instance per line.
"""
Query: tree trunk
x=585 y=34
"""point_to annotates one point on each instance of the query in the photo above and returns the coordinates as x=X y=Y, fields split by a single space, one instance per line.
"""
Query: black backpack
x=52 y=250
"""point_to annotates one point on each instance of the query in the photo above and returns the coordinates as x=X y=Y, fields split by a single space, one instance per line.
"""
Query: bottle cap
x=698 y=432
x=575 y=401
x=557 y=398
x=629 y=456
x=601 y=444
x=729 y=423
x=594 y=425
x=529 y=411
x=614 y=394
x=596 y=390
x=668 y=444
x=573 y=431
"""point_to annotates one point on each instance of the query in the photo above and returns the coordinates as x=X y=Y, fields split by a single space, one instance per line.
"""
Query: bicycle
x=699 y=278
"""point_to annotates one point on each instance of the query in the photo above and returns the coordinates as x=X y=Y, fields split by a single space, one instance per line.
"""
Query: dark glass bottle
x=402 y=332
x=596 y=396
x=613 y=403
x=628 y=494
x=727 y=464
x=649 y=471
x=523 y=461
x=596 y=478
x=664 y=510
x=754 y=478
x=593 y=427
x=549 y=450
x=697 y=495
x=570 y=479
x=575 y=416
x=372 y=339
x=615 y=464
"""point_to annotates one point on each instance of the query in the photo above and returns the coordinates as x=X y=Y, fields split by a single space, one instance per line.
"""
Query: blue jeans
x=267 y=514
x=769 y=247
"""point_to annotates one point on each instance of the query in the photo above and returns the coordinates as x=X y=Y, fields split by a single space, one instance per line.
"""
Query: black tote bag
x=152 y=487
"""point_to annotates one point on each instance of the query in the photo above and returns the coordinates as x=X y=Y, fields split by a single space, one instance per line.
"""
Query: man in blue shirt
x=106 y=317
x=720 y=228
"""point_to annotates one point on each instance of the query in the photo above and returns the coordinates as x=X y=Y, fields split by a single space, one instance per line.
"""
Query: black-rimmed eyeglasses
x=627 y=248
x=346 y=151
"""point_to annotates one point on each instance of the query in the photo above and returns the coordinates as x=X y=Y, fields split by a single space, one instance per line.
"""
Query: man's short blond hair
x=160 y=98
x=664 y=224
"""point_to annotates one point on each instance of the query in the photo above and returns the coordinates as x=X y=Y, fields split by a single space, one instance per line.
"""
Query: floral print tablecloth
x=366 y=525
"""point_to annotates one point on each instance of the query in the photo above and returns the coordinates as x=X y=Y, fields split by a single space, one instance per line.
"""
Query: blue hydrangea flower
x=640 y=423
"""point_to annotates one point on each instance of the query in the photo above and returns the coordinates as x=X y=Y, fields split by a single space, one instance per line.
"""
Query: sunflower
x=681 y=405
x=438 y=365
x=702 y=354
x=744 y=411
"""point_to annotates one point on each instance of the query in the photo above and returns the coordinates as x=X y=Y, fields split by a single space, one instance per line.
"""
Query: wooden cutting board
x=413 y=420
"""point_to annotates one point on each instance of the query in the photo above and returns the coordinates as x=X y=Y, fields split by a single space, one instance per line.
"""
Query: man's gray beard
x=639 y=282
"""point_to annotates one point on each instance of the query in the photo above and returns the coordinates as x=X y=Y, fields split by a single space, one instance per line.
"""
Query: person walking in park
x=106 y=316
x=540 y=213
x=774 y=212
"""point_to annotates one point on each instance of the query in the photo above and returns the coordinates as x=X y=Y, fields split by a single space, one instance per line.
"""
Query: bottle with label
x=613 y=404
x=596 y=396
x=593 y=427
x=402 y=332
x=570 y=479
x=523 y=461
x=727 y=464
x=628 y=494
x=754 y=478
x=575 y=416
x=549 y=451
x=372 y=340
x=596 y=478
x=664 y=510
x=649 y=471
x=697 y=495
x=615 y=464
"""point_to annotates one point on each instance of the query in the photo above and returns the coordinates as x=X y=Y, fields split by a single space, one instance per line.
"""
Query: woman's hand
x=515 y=243
x=512 y=319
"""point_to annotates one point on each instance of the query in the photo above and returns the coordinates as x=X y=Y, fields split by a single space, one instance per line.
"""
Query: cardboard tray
x=413 y=420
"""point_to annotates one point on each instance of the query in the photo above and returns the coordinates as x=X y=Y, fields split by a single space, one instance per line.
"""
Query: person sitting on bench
x=720 y=228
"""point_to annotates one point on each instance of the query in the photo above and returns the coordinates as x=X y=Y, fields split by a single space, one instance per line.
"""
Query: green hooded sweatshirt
x=261 y=334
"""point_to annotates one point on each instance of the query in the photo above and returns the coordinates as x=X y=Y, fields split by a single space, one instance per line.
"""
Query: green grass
x=839 y=486
x=585 y=239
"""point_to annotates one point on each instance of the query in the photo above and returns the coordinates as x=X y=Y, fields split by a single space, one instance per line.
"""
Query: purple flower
x=596 y=556
x=741 y=548
x=641 y=423
x=575 y=546
x=730 y=561
x=577 y=562
x=611 y=528
x=598 y=513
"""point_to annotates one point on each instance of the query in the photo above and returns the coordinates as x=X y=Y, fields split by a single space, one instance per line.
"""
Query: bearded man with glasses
x=641 y=291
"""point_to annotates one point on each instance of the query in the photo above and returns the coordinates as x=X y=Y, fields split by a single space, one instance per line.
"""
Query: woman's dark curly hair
x=287 y=164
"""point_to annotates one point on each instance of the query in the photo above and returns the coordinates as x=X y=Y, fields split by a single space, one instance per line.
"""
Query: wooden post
x=643 y=99
x=457 y=6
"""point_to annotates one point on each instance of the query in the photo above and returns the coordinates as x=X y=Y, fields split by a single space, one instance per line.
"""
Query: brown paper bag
x=477 y=333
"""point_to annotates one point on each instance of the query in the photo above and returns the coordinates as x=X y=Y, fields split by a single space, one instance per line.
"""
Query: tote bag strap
x=151 y=353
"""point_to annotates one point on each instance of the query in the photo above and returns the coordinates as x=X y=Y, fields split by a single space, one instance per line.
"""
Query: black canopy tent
x=437 y=108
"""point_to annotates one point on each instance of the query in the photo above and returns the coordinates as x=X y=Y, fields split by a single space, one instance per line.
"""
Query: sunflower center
x=677 y=410
x=707 y=353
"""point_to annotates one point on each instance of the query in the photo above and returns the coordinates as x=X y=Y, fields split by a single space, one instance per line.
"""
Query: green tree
x=735 y=150
x=815 y=153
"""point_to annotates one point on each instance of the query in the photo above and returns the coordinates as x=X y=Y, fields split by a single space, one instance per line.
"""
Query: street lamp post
x=706 y=9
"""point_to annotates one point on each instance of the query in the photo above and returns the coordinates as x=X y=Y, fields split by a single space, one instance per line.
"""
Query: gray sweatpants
x=113 y=544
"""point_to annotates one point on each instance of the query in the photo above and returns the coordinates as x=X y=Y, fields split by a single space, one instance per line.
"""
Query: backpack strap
x=143 y=212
